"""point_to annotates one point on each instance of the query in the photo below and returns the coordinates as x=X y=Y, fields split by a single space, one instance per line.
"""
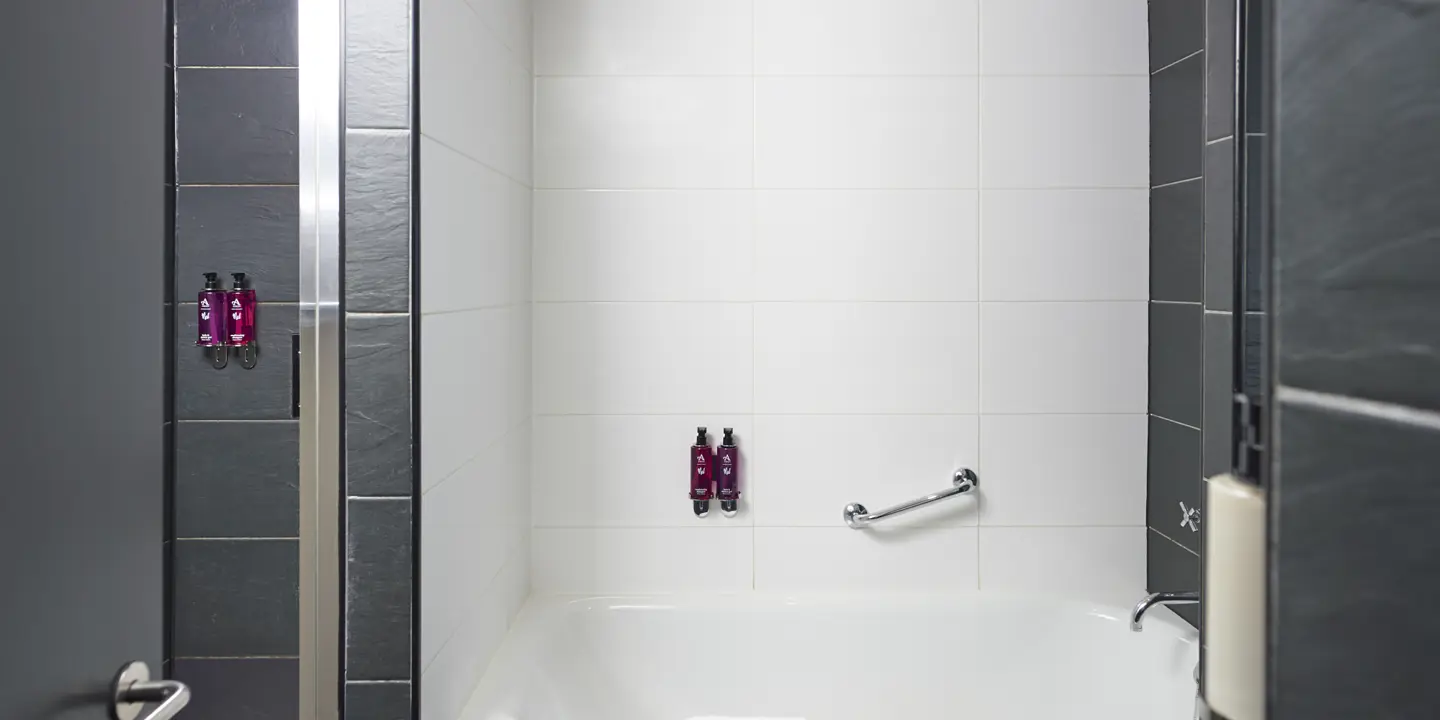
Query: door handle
x=133 y=690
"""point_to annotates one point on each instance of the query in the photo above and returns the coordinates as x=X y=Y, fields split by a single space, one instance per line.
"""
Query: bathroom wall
x=475 y=180
x=882 y=239
x=235 y=505
x=1357 y=281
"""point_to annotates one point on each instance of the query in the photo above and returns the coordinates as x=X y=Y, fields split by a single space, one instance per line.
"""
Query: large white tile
x=866 y=37
x=1066 y=132
x=876 y=560
x=1065 y=37
x=520 y=339
x=866 y=244
x=466 y=400
x=468 y=220
x=643 y=37
x=1105 y=565
x=866 y=358
x=1063 y=469
x=473 y=99
x=450 y=678
x=521 y=257
x=644 y=132
x=644 y=245
x=619 y=358
x=851 y=132
x=636 y=560
x=1063 y=357
x=627 y=470
x=510 y=20
x=811 y=466
x=1066 y=244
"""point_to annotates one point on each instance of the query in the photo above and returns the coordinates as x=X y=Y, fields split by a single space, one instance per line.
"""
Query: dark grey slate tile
x=1171 y=568
x=1357 y=225
x=236 y=32
x=377 y=221
x=1220 y=65
x=1220 y=209
x=377 y=63
x=1175 y=359
x=1219 y=394
x=1255 y=209
x=237 y=126
x=237 y=597
x=378 y=405
x=237 y=479
x=377 y=701
x=1177 y=265
x=378 y=592
x=234 y=393
x=1253 y=380
x=1177 y=121
x=1259 y=60
x=241 y=689
x=1172 y=477
x=1355 y=568
x=1177 y=28
x=229 y=229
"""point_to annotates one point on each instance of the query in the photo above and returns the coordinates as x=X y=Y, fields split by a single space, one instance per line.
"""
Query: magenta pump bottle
x=213 y=330
x=728 y=476
x=702 y=475
x=240 y=303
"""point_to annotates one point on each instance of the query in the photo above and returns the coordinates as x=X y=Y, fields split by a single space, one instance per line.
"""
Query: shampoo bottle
x=702 y=475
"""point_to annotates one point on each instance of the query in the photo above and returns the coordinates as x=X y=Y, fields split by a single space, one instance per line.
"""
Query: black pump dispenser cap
x=239 y=280
x=702 y=508
x=212 y=281
x=700 y=438
x=729 y=440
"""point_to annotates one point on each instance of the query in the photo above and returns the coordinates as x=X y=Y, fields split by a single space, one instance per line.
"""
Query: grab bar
x=857 y=517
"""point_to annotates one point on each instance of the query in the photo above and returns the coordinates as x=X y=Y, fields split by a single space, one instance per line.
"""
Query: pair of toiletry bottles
x=710 y=469
x=227 y=319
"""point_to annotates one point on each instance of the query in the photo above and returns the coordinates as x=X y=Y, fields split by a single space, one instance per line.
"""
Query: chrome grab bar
x=857 y=517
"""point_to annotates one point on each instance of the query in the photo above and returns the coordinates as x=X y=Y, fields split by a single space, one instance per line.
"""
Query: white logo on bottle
x=204 y=303
x=235 y=303
x=204 y=316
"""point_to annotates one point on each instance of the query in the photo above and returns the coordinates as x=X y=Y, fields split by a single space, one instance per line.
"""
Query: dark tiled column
x=379 y=357
x=235 y=570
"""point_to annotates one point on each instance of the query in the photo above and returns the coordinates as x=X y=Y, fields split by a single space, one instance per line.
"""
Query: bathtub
x=986 y=657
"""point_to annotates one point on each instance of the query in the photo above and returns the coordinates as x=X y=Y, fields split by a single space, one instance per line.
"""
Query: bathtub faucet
x=1160 y=598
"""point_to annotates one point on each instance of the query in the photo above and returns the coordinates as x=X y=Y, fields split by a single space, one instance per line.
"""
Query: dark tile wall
x=235 y=516
x=1357 y=278
x=379 y=357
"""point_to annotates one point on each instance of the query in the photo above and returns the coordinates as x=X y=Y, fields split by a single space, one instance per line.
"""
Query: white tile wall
x=882 y=239
x=475 y=353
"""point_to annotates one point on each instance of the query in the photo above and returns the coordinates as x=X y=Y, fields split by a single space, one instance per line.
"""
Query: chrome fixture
x=133 y=689
x=1160 y=598
x=1189 y=517
x=857 y=517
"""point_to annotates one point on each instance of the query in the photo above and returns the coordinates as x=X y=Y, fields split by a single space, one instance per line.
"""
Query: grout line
x=1373 y=409
x=979 y=265
x=1175 y=302
x=387 y=498
x=1177 y=182
x=1177 y=62
x=236 y=657
x=290 y=421
x=1173 y=540
x=752 y=414
x=236 y=67
x=237 y=539
x=237 y=185
x=754 y=256
x=1219 y=312
x=796 y=189
x=708 y=527
x=474 y=159
x=1217 y=141
x=377 y=682
x=1176 y=422
x=840 y=76
x=480 y=308
x=1130 y=301
x=399 y=314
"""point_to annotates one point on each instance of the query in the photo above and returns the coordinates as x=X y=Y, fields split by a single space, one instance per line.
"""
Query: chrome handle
x=857 y=517
x=133 y=690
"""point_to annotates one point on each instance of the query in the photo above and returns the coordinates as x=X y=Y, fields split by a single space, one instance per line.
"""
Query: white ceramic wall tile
x=865 y=245
x=1066 y=131
x=644 y=132
x=1063 y=357
x=816 y=464
x=1063 y=469
x=643 y=37
x=644 y=245
x=628 y=470
x=468 y=217
x=866 y=358
x=466 y=361
x=1064 y=37
x=447 y=682
x=522 y=267
x=851 y=132
x=642 y=560
x=879 y=560
x=1104 y=565
x=518 y=371
x=510 y=20
x=866 y=37
x=619 y=358
x=520 y=126
x=1066 y=244
x=474 y=99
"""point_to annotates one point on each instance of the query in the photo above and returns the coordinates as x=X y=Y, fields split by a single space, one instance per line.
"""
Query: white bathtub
x=982 y=657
